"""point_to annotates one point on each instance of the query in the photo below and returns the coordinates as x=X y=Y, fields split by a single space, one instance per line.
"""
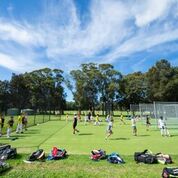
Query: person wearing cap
x=75 y=124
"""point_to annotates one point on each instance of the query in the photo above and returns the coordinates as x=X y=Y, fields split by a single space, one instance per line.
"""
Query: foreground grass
x=79 y=146
x=81 y=166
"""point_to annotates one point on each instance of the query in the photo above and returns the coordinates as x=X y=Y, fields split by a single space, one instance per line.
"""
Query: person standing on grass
x=134 y=127
x=97 y=120
x=25 y=121
x=108 y=118
x=10 y=124
x=147 y=122
x=163 y=127
x=75 y=124
x=122 y=118
x=19 y=124
x=109 y=131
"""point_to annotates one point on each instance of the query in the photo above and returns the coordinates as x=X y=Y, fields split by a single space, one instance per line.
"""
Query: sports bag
x=96 y=155
x=57 y=153
x=37 y=155
x=145 y=157
x=6 y=152
x=3 y=166
x=170 y=172
x=164 y=158
x=115 y=158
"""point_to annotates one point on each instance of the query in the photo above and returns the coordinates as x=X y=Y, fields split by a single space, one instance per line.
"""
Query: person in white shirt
x=162 y=126
x=109 y=131
x=134 y=127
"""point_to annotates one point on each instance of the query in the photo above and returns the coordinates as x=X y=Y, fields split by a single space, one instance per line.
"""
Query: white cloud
x=125 y=27
x=149 y=10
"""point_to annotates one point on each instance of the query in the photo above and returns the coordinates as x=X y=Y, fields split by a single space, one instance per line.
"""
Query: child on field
x=147 y=122
x=109 y=131
x=108 y=118
x=97 y=120
x=122 y=119
x=19 y=124
x=162 y=126
x=25 y=121
x=75 y=124
x=134 y=127
x=9 y=126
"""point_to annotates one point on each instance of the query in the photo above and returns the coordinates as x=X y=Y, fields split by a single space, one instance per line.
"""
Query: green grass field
x=79 y=146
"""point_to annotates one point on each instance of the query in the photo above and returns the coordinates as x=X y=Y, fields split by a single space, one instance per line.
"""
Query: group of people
x=134 y=119
x=21 y=124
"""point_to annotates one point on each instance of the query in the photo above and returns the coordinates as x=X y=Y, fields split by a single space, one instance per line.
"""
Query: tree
x=160 y=80
x=19 y=91
x=4 y=95
x=46 y=89
x=134 y=88
x=86 y=88
x=109 y=86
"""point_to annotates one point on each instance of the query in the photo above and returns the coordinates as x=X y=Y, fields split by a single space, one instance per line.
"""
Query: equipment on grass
x=38 y=155
x=6 y=152
x=57 y=153
x=164 y=158
x=3 y=166
x=115 y=158
x=96 y=155
x=170 y=172
x=145 y=157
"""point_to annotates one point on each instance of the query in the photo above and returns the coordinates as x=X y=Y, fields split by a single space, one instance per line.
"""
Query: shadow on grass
x=86 y=134
x=3 y=173
x=174 y=135
x=143 y=135
x=119 y=138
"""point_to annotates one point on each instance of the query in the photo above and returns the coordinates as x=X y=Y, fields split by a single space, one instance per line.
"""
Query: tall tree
x=109 y=86
x=19 y=91
x=4 y=95
x=86 y=88
x=159 y=78
x=134 y=88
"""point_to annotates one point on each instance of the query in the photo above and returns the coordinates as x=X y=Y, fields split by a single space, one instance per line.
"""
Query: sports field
x=79 y=146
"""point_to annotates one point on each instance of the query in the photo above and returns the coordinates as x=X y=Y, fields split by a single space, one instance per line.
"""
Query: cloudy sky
x=130 y=34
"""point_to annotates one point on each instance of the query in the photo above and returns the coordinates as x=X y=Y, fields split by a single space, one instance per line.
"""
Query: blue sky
x=130 y=34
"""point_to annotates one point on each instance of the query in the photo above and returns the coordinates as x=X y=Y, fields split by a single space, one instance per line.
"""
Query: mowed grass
x=79 y=146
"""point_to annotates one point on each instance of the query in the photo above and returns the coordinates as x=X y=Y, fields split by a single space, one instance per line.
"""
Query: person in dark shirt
x=75 y=124
x=147 y=122
x=10 y=124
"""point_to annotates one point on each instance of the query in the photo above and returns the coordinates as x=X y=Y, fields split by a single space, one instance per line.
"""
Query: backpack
x=164 y=158
x=3 y=166
x=96 y=155
x=170 y=172
x=115 y=158
x=6 y=152
x=37 y=155
x=57 y=153
x=145 y=157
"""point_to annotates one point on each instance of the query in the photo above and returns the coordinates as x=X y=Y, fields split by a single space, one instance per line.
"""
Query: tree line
x=94 y=86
